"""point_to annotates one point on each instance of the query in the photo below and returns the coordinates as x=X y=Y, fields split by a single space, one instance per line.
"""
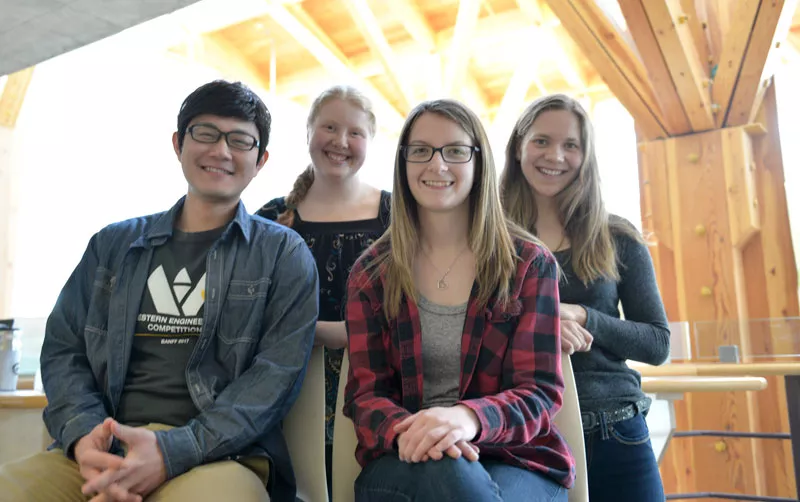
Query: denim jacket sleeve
x=75 y=403
x=259 y=398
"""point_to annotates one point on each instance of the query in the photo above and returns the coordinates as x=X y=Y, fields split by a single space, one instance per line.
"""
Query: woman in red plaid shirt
x=453 y=334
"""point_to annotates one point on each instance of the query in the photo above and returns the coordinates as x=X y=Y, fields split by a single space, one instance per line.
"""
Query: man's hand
x=431 y=432
x=140 y=473
x=91 y=452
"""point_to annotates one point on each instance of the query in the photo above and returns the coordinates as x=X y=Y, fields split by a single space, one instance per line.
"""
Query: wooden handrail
x=718 y=369
x=679 y=384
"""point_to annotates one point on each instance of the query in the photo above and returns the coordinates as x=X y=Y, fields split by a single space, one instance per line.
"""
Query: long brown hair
x=490 y=232
x=586 y=223
x=304 y=181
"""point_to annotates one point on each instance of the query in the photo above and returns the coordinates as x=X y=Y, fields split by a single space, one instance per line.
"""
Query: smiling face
x=338 y=139
x=217 y=172
x=437 y=185
x=551 y=152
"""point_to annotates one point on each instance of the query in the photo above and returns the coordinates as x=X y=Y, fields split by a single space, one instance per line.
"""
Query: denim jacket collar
x=162 y=227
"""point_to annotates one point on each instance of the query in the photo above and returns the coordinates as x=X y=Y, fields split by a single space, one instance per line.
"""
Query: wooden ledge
x=25 y=383
x=680 y=384
x=719 y=369
x=22 y=400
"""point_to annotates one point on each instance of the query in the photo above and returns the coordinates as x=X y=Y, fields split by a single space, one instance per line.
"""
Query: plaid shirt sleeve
x=372 y=394
x=532 y=365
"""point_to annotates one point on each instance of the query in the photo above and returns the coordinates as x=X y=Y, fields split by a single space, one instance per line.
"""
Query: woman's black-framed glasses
x=454 y=154
x=207 y=133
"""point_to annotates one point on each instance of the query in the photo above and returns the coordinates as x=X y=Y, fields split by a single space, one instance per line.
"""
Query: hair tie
x=290 y=207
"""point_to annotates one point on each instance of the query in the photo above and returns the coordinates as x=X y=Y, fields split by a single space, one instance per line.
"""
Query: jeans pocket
x=631 y=432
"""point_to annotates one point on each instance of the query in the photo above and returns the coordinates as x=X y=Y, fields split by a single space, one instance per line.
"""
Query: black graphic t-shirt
x=169 y=322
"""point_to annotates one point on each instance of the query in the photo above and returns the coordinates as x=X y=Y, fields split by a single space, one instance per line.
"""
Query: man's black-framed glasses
x=454 y=154
x=207 y=133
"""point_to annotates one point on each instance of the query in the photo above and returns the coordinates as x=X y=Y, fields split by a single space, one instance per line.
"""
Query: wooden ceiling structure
x=495 y=55
x=498 y=55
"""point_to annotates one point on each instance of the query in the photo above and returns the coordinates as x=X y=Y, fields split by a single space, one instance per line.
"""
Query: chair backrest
x=568 y=421
x=304 y=430
x=345 y=467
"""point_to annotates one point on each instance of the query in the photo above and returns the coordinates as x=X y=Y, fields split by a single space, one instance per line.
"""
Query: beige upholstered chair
x=568 y=421
x=304 y=429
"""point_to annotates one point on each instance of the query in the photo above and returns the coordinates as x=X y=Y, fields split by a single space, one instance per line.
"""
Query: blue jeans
x=387 y=479
x=622 y=465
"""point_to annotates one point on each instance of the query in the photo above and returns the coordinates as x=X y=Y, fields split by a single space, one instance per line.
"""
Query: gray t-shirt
x=604 y=380
x=169 y=323
x=442 y=327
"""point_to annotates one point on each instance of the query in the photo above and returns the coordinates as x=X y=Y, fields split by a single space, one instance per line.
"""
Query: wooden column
x=715 y=206
x=11 y=100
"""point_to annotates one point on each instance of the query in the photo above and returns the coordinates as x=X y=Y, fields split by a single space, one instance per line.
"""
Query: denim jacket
x=246 y=369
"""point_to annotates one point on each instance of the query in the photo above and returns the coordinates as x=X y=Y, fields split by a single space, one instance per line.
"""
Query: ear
x=262 y=161
x=175 y=145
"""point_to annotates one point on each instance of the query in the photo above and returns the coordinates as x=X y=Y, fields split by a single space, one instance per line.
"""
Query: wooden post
x=716 y=207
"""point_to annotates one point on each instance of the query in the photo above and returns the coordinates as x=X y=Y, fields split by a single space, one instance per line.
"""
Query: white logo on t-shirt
x=183 y=298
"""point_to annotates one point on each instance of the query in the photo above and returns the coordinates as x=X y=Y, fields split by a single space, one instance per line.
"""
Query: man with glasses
x=181 y=339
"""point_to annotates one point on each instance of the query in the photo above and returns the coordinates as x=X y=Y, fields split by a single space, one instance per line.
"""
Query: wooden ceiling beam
x=13 y=95
x=434 y=44
x=697 y=19
x=718 y=17
x=413 y=19
x=216 y=52
x=305 y=30
x=667 y=96
x=533 y=12
x=370 y=30
x=514 y=98
x=770 y=29
x=614 y=61
x=457 y=62
x=733 y=49
x=674 y=36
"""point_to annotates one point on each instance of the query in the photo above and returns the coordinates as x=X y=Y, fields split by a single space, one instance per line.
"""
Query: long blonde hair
x=586 y=223
x=490 y=233
x=304 y=181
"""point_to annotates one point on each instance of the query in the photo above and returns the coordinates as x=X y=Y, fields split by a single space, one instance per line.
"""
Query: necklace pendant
x=441 y=284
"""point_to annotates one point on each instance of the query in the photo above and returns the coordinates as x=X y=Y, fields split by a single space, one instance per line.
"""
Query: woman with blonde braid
x=337 y=214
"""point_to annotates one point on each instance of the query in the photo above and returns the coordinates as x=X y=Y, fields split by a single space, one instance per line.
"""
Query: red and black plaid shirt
x=510 y=368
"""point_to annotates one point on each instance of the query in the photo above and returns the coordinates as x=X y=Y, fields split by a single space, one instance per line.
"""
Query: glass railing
x=751 y=340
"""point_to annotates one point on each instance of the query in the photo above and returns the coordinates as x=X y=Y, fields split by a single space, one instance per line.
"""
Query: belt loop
x=603 y=426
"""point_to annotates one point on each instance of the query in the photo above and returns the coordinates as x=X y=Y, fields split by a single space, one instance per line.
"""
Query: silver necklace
x=441 y=283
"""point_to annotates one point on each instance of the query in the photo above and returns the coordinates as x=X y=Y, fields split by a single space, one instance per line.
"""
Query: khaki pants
x=52 y=477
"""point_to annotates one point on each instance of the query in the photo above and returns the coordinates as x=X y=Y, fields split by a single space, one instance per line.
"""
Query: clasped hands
x=111 y=478
x=432 y=433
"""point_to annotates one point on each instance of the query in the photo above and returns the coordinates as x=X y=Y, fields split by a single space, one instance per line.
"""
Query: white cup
x=10 y=356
